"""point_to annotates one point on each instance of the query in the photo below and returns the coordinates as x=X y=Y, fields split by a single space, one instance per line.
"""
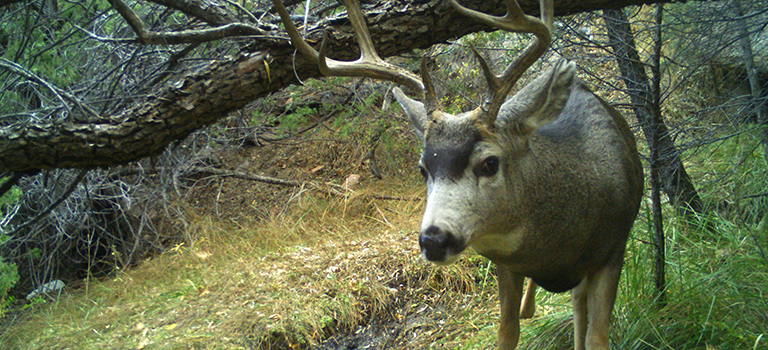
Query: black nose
x=435 y=243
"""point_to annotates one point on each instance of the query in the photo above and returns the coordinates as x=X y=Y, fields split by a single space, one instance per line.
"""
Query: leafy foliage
x=9 y=274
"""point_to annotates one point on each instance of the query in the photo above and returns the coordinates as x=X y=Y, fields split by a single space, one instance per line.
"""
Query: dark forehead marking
x=447 y=150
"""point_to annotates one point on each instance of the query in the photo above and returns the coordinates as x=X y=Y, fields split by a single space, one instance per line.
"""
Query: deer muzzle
x=440 y=246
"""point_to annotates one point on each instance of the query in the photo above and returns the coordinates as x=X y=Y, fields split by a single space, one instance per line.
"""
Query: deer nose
x=435 y=243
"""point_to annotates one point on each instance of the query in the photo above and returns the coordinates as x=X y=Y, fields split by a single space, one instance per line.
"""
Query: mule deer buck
x=546 y=184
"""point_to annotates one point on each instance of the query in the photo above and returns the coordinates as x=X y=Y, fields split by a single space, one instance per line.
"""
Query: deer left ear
x=541 y=101
x=415 y=111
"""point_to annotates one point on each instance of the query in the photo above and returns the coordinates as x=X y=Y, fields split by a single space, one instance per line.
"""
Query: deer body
x=572 y=193
x=558 y=209
x=546 y=184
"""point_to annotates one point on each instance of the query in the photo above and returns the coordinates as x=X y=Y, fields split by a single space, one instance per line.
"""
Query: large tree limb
x=265 y=66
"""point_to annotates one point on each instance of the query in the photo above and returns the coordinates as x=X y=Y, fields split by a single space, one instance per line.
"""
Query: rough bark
x=674 y=179
x=264 y=66
x=212 y=12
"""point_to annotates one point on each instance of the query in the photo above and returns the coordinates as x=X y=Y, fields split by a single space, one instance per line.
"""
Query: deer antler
x=518 y=22
x=368 y=65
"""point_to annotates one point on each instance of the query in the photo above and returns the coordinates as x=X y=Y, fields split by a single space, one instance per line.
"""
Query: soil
x=397 y=333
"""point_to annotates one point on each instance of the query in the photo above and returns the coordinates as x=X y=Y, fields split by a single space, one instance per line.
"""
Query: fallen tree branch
x=327 y=187
x=245 y=176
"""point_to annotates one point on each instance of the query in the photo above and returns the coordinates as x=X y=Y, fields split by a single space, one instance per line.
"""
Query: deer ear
x=415 y=110
x=541 y=101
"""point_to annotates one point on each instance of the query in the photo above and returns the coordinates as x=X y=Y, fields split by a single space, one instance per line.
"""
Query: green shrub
x=9 y=274
x=8 y=278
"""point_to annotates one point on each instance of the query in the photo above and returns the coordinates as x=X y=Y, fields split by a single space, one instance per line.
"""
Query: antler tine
x=368 y=65
x=296 y=39
x=431 y=103
x=518 y=22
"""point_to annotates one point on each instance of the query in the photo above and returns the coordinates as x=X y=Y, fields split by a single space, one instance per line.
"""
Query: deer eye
x=489 y=166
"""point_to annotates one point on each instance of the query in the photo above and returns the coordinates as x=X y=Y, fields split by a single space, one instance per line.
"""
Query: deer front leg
x=529 y=300
x=510 y=293
x=601 y=295
x=579 y=301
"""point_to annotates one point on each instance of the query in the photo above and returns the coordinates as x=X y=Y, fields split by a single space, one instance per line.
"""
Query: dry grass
x=326 y=266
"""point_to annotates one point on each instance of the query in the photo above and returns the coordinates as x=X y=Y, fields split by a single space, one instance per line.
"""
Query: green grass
x=715 y=280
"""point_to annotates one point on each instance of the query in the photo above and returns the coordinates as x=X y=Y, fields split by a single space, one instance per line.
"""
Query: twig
x=393 y=198
x=145 y=36
x=244 y=10
x=244 y=176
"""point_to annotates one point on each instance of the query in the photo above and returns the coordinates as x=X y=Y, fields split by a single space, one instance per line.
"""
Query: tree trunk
x=674 y=179
x=659 y=242
x=754 y=84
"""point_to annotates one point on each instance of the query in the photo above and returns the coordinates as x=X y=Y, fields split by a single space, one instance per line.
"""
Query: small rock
x=46 y=288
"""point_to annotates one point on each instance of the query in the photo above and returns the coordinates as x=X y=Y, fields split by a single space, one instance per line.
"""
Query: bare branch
x=245 y=176
x=328 y=187
x=145 y=36
x=207 y=11
x=133 y=20
x=199 y=36
x=243 y=10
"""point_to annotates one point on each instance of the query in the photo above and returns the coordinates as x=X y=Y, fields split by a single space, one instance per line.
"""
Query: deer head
x=467 y=158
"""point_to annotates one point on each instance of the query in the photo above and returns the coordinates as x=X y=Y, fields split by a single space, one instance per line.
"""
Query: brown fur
x=571 y=191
